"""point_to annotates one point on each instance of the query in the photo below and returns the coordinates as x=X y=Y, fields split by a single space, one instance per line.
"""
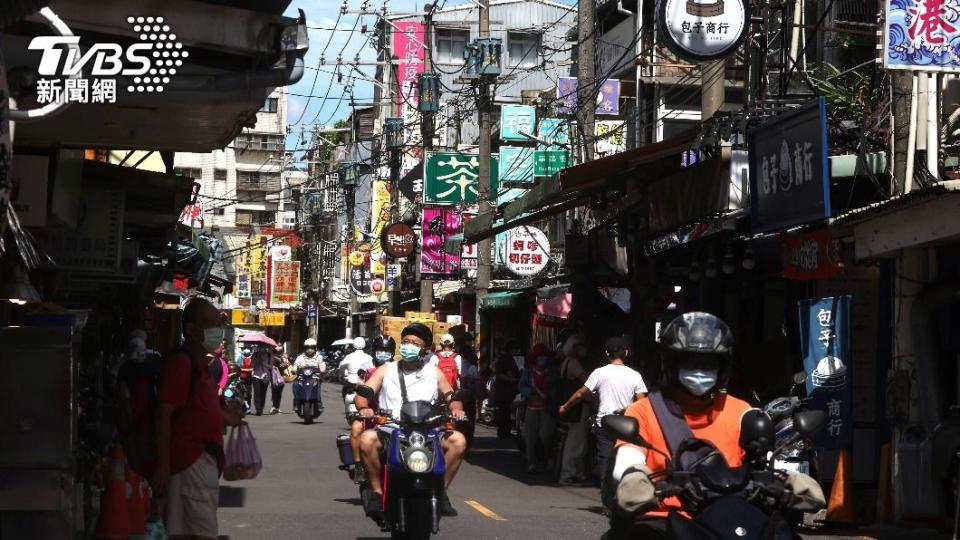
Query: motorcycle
x=800 y=454
x=307 y=386
x=237 y=389
x=723 y=502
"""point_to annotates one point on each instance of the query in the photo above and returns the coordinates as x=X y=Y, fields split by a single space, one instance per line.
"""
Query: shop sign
x=243 y=317
x=408 y=41
x=377 y=286
x=517 y=121
x=357 y=258
x=438 y=225
x=284 y=284
x=554 y=132
x=615 y=48
x=243 y=285
x=398 y=240
x=379 y=217
x=809 y=256
x=703 y=30
x=468 y=252
x=516 y=164
x=526 y=250
x=550 y=162
x=921 y=35
x=360 y=278
x=452 y=177
x=312 y=311
x=394 y=274
x=608 y=96
x=789 y=176
x=94 y=245
x=272 y=318
x=825 y=344
x=280 y=253
x=611 y=137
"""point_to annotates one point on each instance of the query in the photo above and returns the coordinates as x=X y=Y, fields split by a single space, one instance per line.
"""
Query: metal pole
x=483 y=192
x=713 y=95
x=351 y=237
x=426 y=133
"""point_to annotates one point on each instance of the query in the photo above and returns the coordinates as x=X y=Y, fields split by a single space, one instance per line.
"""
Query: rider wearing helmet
x=696 y=361
x=384 y=348
x=308 y=358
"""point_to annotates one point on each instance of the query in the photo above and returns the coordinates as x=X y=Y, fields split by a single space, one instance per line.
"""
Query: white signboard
x=526 y=250
x=611 y=137
x=703 y=30
x=281 y=253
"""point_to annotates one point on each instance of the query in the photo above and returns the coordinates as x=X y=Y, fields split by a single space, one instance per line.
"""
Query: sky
x=329 y=102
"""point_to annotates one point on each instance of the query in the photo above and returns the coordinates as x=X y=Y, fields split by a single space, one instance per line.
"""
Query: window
x=244 y=217
x=219 y=211
x=259 y=141
x=523 y=49
x=270 y=105
x=219 y=175
x=450 y=45
x=258 y=181
x=188 y=172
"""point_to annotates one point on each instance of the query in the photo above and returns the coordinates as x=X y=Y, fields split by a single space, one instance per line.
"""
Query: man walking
x=190 y=429
x=572 y=377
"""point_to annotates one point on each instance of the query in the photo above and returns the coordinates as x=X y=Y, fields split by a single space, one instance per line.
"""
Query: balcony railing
x=253 y=181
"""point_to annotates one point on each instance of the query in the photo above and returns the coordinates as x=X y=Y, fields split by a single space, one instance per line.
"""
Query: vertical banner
x=408 y=47
x=243 y=285
x=825 y=343
x=284 y=284
x=468 y=252
x=438 y=225
x=379 y=218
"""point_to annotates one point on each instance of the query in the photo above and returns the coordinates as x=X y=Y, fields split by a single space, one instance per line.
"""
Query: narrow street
x=300 y=493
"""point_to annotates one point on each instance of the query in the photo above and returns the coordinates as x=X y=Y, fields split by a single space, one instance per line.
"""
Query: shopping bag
x=243 y=461
x=277 y=378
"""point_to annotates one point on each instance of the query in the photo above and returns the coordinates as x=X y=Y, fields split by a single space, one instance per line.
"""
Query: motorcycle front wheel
x=306 y=409
x=419 y=518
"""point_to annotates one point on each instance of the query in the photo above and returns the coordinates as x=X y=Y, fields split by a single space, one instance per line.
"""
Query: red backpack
x=447 y=362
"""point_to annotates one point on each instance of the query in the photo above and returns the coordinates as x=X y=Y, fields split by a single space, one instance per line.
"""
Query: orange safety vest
x=720 y=424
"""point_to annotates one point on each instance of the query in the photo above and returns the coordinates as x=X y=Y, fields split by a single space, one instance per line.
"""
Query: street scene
x=491 y=269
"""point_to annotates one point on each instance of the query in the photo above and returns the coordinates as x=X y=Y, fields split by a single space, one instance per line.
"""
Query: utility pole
x=426 y=134
x=586 y=73
x=712 y=93
x=483 y=193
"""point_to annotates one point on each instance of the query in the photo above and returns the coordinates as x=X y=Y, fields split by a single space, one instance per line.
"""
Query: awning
x=501 y=300
x=570 y=187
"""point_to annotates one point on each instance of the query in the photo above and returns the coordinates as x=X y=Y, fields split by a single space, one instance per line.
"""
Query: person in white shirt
x=356 y=361
x=308 y=358
x=618 y=386
x=445 y=355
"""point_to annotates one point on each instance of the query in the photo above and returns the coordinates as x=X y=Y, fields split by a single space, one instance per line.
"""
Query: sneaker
x=274 y=411
x=446 y=509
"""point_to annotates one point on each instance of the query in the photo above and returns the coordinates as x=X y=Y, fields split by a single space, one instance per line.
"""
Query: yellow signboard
x=242 y=316
x=272 y=318
x=379 y=218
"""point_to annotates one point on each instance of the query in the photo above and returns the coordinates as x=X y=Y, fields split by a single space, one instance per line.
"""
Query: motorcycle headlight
x=416 y=439
x=418 y=461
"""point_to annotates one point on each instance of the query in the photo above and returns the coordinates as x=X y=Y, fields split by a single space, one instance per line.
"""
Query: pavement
x=300 y=493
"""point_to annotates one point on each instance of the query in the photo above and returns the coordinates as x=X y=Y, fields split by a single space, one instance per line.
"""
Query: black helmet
x=696 y=332
x=420 y=330
x=383 y=342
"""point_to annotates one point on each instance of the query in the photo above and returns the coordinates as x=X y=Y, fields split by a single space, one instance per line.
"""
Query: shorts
x=190 y=506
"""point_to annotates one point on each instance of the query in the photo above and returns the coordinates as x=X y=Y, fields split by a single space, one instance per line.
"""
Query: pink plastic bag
x=243 y=460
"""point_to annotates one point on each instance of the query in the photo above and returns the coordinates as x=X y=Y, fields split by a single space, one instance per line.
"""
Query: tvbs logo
x=88 y=77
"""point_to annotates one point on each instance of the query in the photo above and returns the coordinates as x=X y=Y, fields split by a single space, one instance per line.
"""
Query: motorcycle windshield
x=416 y=412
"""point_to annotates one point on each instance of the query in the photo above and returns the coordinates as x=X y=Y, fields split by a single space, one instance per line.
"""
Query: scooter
x=722 y=502
x=307 y=386
x=238 y=389
x=800 y=454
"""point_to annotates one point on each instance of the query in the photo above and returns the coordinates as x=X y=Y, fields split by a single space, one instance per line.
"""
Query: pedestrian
x=190 y=429
x=262 y=378
x=507 y=375
x=280 y=364
x=449 y=362
x=218 y=369
x=538 y=387
x=572 y=377
x=470 y=386
x=618 y=386
x=245 y=365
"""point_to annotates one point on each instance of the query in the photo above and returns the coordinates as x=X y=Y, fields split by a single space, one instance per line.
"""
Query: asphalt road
x=300 y=493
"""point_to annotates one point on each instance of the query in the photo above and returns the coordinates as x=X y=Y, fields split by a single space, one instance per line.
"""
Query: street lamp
x=393 y=133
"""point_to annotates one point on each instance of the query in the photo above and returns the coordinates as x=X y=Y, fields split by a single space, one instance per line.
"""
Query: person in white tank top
x=424 y=382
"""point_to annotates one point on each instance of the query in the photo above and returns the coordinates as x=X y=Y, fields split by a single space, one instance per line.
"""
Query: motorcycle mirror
x=623 y=427
x=809 y=422
x=757 y=433
x=799 y=378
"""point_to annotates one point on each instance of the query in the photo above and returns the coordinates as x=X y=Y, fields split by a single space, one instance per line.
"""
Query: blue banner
x=825 y=344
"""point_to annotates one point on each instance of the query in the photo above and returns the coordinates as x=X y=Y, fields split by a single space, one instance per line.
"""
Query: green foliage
x=844 y=91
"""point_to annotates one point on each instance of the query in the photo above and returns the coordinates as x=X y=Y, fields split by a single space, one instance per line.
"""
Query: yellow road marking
x=485 y=511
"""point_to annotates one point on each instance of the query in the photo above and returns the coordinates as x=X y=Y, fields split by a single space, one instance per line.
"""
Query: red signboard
x=811 y=255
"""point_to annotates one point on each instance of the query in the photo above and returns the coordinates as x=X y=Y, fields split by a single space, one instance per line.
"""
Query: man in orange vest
x=697 y=357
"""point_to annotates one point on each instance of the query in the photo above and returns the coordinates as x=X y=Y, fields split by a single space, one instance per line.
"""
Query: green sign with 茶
x=451 y=177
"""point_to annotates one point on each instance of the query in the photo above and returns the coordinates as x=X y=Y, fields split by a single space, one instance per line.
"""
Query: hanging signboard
x=526 y=250
x=611 y=137
x=379 y=217
x=360 y=278
x=451 y=177
x=517 y=120
x=394 y=274
x=438 y=225
x=812 y=255
x=272 y=318
x=242 y=317
x=703 y=30
x=825 y=344
x=468 y=252
x=284 y=284
x=243 y=285
x=398 y=240
x=516 y=164
x=280 y=253
x=789 y=176
x=553 y=131
x=550 y=162
x=615 y=48
x=408 y=40
x=921 y=35
x=95 y=244
x=607 y=96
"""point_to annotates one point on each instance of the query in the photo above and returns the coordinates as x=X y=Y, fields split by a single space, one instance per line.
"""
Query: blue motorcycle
x=307 y=391
x=414 y=471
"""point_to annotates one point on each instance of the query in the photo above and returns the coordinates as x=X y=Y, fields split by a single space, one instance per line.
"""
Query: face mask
x=382 y=356
x=698 y=381
x=409 y=352
x=212 y=337
x=310 y=352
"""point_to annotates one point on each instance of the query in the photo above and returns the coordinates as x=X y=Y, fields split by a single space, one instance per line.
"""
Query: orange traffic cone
x=842 y=506
x=114 y=520
x=139 y=503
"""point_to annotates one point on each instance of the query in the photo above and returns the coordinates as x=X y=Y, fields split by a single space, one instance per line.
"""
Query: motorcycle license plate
x=792 y=466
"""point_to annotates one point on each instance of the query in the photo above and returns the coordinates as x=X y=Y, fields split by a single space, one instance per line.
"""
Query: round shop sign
x=357 y=258
x=377 y=286
x=398 y=240
x=526 y=250
x=281 y=253
x=703 y=30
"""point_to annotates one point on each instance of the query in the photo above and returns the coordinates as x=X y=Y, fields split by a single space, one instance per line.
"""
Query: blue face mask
x=382 y=356
x=409 y=352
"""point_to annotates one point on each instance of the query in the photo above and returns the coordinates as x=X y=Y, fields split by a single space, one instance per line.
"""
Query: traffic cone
x=841 y=508
x=114 y=520
x=139 y=503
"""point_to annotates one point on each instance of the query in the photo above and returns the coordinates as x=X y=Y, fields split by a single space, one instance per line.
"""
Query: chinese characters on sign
x=553 y=131
x=526 y=250
x=701 y=29
x=398 y=240
x=516 y=120
x=550 y=162
x=608 y=96
x=452 y=177
x=516 y=164
x=394 y=273
x=810 y=255
x=611 y=137
x=468 y=252
x=284 y=284
x=408 y=47
x=243 y=285
x=922 y=35
x=825 y=343
x=360 y=278
x=438 y=225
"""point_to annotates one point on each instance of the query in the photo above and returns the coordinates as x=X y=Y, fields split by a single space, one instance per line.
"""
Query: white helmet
x=359 y=343
x=446 y=339
x=309 y=342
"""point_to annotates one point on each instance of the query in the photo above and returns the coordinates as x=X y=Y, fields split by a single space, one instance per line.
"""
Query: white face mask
x=697 y=381
x=212 y=337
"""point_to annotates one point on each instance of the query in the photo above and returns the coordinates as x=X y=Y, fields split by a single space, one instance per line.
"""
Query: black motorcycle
x=307 y=390
x=726 y=503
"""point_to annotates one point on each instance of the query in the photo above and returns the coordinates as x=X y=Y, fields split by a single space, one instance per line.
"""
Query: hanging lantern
x=428 y=87
x=393 y=133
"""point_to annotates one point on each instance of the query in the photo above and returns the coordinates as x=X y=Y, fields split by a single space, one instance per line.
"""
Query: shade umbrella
x=259 y=338
x=343 y=341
